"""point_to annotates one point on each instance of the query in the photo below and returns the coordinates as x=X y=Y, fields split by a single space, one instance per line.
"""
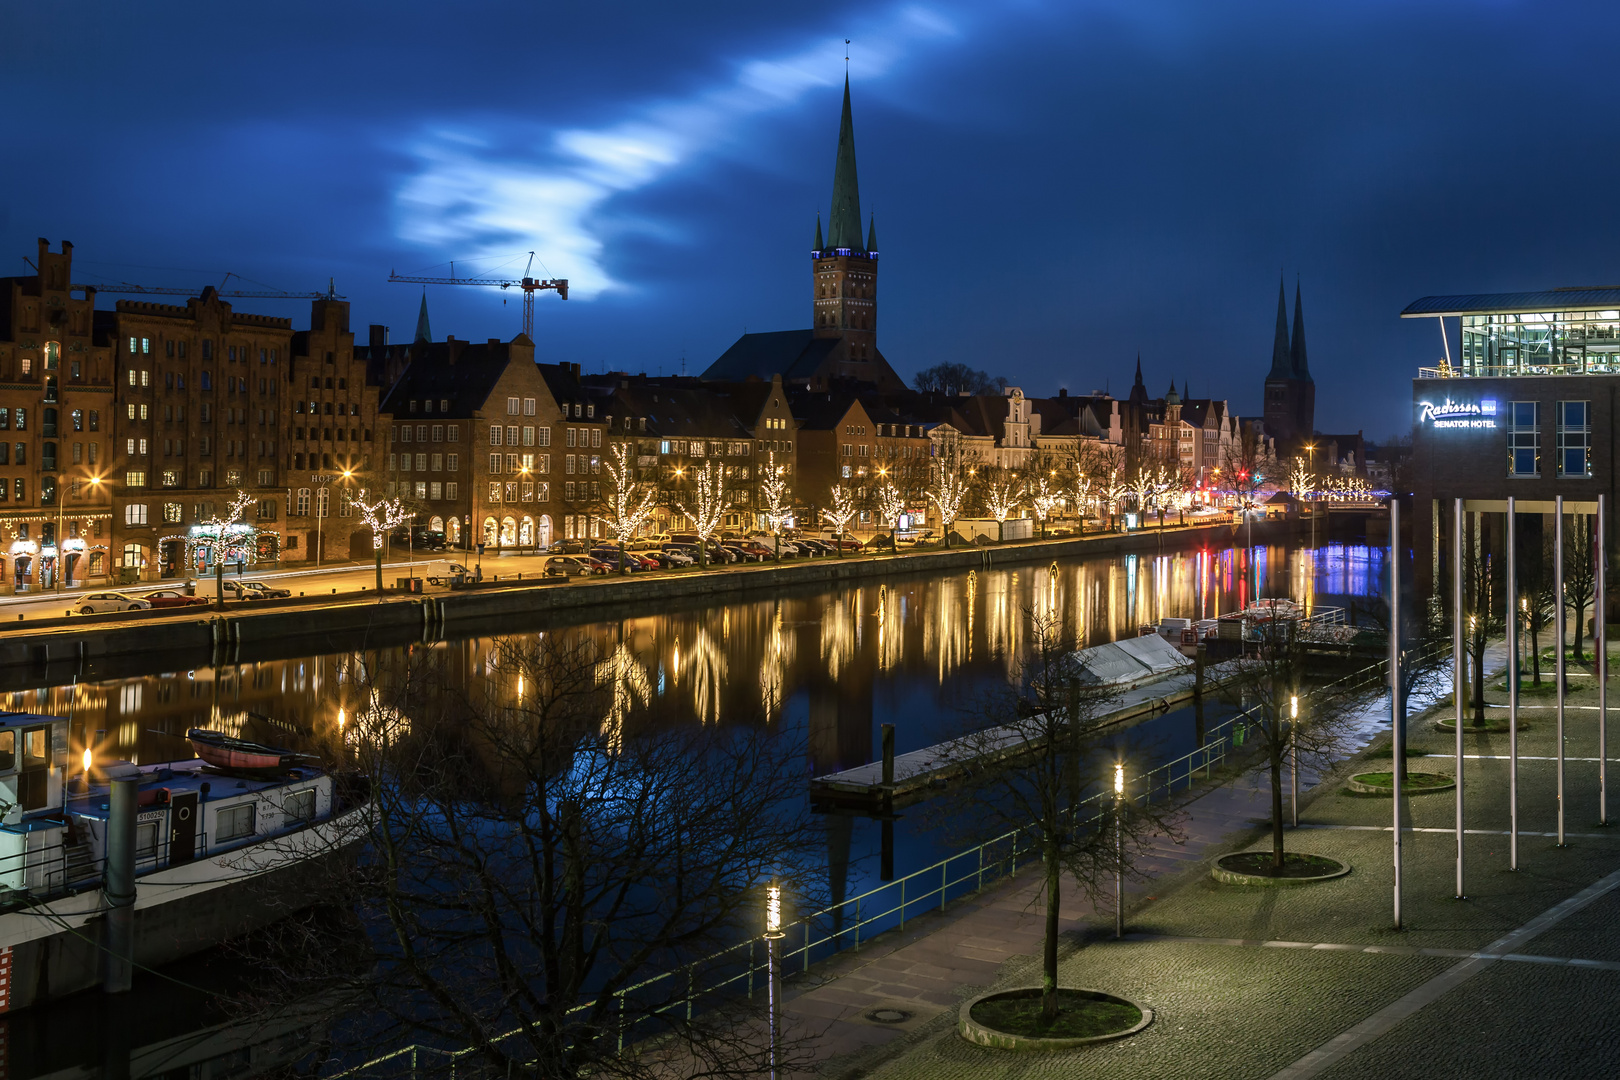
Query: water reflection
x=920 y=645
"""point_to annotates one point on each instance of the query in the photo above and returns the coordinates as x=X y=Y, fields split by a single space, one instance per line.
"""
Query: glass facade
x=1574 y=438
x=1541 y=343
x=1524 y=439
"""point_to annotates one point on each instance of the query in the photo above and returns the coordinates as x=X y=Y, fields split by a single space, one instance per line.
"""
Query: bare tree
x=947 y=489
x=1291 y=720
x=533 y=859
x=1034 y=767
x=1485 y=620
x=1580 y=575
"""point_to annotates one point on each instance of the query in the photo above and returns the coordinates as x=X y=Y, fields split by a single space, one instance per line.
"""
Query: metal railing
x=845 y=924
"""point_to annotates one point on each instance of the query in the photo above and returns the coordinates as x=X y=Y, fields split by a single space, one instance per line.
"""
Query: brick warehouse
x=1527 y=410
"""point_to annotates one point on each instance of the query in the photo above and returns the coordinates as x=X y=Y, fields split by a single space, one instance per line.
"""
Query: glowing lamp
x=1119 y=781
x=88 y=757
x=773 y=910
x=1293 y=707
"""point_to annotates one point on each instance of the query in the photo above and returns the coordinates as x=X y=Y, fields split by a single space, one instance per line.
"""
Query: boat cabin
x=54 y=827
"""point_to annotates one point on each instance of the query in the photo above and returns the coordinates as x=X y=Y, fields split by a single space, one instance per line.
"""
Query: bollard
x=888 y=755
x=118 y=889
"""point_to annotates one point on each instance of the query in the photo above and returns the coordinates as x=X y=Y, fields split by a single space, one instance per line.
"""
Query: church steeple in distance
x=844 y=228
x=1296 y=351
x=423 y=331
x=1282 y=364
x=1290 y=401
x=844 y=271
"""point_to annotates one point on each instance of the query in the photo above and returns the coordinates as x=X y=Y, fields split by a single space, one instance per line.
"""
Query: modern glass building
x=1526 y=410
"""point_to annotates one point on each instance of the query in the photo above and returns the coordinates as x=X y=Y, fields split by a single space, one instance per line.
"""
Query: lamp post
x=1310 y=448
x=1293 y=751
x=1119 y=850
x=773 y=965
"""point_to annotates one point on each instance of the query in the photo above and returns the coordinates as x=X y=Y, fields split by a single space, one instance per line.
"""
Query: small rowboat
x=224 y=752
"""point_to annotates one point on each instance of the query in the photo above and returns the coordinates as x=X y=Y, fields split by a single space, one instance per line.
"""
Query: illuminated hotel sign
x=1458 y=414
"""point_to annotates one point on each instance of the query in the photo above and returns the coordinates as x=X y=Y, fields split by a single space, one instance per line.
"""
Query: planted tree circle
x=1260 y=868
x=1492 y=724
x=1414 y=783
x=1011 y=1019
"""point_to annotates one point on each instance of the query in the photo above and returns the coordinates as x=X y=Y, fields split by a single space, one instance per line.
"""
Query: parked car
x=817 y=547
x=597 y=566
x=764 y=551
x=610 y=557
x=570 y=546
x=849 y=543
x=257 y=590
x=168 y=598
x=566 y=566
x=680 y=556
x=96 y=603
x=745 y=554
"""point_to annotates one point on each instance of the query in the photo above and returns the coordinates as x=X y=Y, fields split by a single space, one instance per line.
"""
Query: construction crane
x=529 y=285
x=128 y=288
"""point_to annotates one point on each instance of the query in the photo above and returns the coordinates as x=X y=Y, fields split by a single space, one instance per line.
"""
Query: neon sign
x=1458 y=414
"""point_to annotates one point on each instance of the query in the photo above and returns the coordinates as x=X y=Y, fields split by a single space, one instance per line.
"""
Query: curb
x=1234 y=877
x=980 y=1035
x=1353 y=784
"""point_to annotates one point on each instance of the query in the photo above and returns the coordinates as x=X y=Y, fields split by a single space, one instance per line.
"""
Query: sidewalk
x=1299 y=982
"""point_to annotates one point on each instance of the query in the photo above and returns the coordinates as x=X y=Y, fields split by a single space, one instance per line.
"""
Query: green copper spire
x=423 y=332
x=844 y=229
x=819 y=244
x=871 y=234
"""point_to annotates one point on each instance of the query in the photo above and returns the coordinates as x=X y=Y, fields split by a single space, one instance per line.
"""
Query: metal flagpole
x=1513 y=696
x=1459 y=677
x=1602 y=556
x=1396 y=707
x=1558 y=632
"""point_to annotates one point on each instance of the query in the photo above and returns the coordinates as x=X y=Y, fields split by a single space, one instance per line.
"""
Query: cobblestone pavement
x=1256 y=1007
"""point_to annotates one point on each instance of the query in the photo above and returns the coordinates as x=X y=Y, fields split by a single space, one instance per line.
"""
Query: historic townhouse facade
x=56 y=414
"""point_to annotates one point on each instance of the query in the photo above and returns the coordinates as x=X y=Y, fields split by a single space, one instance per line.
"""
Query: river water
x=827 y=666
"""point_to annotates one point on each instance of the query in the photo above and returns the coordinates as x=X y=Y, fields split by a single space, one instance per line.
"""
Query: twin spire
x=1288 y=360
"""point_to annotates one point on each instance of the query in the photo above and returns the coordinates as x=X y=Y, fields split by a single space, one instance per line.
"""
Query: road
x=333 y=580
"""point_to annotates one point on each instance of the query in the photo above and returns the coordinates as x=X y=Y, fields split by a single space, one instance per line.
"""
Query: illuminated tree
x=220 y=538
x=840 y=512
x=947 y=489
x=773 y=489
x=708 y=507
x=1003 y=491
x=1300 y=481
x=381 y=517
x=1045 y=498
x=890 y=504
x=629 y=502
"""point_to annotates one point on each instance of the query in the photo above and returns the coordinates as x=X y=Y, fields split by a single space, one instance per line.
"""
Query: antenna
x=846 y=58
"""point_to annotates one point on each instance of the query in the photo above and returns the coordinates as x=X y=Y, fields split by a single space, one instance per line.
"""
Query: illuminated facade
x=1526 y=411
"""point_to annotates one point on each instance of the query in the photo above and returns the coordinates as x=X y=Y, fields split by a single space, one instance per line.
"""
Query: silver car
x=95 y=603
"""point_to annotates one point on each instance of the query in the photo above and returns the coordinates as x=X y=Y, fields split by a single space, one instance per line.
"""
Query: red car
x=597 y=566
x=166 y=598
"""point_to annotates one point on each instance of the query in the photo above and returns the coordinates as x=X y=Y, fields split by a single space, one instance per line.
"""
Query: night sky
x=1057 y=185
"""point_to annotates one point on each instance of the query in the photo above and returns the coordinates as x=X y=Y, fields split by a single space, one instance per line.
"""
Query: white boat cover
x=1130 y=662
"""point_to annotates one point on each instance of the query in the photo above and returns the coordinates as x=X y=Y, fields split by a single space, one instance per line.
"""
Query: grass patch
x=1295 y=865
x=1081 y=1014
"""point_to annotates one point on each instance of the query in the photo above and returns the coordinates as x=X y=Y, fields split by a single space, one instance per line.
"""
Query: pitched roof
x=461 y=372
x=793 y=354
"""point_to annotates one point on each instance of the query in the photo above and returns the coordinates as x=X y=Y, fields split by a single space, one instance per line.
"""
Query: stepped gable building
x=841 y=343
x=1290 y=410
x=56 y=417
x=470 y=443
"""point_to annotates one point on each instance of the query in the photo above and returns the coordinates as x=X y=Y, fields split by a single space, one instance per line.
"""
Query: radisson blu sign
x=1458 y=414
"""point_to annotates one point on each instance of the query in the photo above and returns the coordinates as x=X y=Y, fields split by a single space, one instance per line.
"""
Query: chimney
x=378 y=337
x=1063 y=391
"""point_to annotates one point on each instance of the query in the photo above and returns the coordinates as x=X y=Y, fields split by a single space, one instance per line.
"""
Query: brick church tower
x=1290 y=390
x=843 y=269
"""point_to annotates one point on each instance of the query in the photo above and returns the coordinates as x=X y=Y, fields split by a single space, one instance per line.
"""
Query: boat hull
x=55 y=949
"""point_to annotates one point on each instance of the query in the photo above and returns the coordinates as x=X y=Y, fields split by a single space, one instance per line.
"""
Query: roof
x=1565 y=299
x=680 y=412
x=463 y=373
x=793 y=354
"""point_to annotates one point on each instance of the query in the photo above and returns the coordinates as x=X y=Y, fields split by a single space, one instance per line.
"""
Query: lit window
x=1524 y=439
x=1574 y=438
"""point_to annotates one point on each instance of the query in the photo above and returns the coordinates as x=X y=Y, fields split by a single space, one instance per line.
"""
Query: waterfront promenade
x=1299 y=982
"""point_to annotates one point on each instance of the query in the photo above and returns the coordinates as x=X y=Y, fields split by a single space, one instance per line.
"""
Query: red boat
x=224 y=752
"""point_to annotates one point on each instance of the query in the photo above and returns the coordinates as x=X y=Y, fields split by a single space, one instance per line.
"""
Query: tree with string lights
x=709 y=506
x=381 y=517
x=840 y=512
x=1045 y=499
x=776 y=494
x=629 y=503
x=219 y=537
x=947 y=489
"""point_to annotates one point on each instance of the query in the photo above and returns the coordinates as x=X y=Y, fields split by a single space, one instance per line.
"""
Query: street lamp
x=1119 y=850
x=1310 y=448
x=773 y=935
x=1293 y=751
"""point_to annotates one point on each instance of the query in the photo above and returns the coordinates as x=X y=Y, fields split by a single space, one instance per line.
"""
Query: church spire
x=819 y=244
x=423 y=331
x=871 y=233
x=844 y=228
x=1296 y=351
x=1282 y=364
